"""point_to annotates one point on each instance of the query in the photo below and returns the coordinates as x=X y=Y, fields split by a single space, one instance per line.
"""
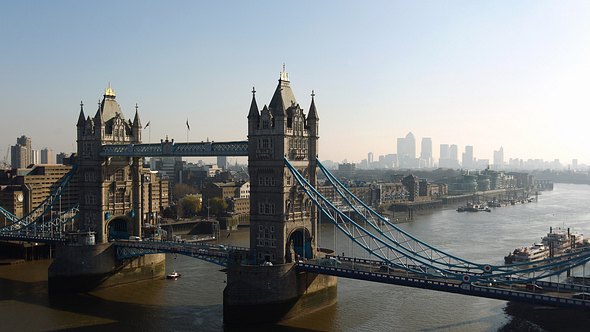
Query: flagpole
x=149 y=131
x=188 y=127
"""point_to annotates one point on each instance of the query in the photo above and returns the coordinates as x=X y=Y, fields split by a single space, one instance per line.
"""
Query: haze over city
x=486 y=74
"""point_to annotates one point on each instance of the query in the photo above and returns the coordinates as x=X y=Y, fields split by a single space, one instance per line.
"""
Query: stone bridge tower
x=109 y=186
x=283 y=220
x=283 y=224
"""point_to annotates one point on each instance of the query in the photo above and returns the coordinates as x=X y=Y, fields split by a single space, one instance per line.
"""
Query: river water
x=194 y=302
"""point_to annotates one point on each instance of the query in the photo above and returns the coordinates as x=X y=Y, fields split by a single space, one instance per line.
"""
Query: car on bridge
x=581 y=296
x=534 y=287
x=330 y=261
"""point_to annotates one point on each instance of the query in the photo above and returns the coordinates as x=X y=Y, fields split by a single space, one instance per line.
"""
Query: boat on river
x=536 y=252
x=556 y=243
x=471 y=207
x=174 y=275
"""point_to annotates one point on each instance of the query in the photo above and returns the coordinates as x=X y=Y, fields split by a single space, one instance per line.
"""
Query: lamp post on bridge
x=208 y=206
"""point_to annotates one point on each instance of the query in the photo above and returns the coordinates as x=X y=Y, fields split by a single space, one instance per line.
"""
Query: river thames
x=194 y=301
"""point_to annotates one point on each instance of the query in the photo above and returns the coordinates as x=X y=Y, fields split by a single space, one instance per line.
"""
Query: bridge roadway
x=547 y=293
x=26 y=237
x=217 y=254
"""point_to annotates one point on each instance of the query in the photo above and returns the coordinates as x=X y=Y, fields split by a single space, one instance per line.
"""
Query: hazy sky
x=485 y=73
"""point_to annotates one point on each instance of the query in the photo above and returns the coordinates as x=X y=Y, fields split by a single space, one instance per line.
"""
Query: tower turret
x=81 y=117
x=313 y=124
x=99 y=120
x=81 y=121
x=253 y=115
x=136 y=126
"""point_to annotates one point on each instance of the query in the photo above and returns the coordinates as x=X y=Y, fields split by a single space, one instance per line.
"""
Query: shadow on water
x=527 y=317
x=88 y=312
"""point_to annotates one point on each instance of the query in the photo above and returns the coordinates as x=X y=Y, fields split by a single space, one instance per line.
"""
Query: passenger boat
x=557 y=242
x=174 y=275
x=536 y=252
x=560 y=240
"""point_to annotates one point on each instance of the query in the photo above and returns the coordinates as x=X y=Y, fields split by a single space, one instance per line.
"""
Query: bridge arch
x=118 y=227
x=299 y=244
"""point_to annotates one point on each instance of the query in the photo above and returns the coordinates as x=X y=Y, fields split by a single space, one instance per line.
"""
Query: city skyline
x=488 y=75
x=424 y=159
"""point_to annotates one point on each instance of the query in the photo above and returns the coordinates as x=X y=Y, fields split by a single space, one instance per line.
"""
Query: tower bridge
x=283 y=271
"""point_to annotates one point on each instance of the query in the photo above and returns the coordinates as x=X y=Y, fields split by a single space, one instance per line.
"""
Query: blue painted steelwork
x=400 y=250
x=493 y=291
x=47 y=231
x=43 y=223
x=42 y=210
x=171 y=149
x=437 y=257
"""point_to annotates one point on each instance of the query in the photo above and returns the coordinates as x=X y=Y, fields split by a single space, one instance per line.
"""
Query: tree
x=217 y=206
x=170 y=212
x=190 y=205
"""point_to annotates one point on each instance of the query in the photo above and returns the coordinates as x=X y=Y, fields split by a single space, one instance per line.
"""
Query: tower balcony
x=297 y=154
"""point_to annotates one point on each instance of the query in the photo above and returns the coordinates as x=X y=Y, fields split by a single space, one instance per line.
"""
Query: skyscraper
x=454 y=156
x=406 y=151
x=467 y=161
x=21 y=153
x=444 y=156
x=222 y=162
x=35 y=157
x=426 y=152
x=47 y=156
x=499 y=158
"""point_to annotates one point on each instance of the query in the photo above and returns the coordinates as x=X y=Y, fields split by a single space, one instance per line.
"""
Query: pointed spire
x=313 y=113
x=253 y=114
x=283 y=97
x=109 y=92
x=98 y=116
x=136 y=121
x=81 y=117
